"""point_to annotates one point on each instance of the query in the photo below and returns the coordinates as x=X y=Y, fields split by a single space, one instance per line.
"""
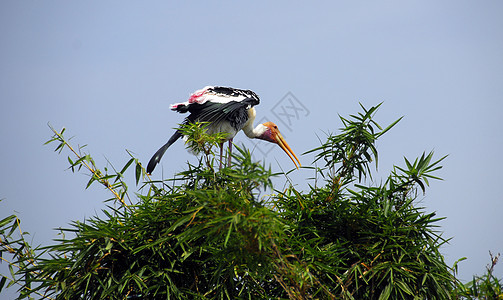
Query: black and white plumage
x=227 y=110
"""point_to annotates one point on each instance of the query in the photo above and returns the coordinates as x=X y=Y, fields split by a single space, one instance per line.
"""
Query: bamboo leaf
x=2 y=282
x=386 y=293
x=138 y=172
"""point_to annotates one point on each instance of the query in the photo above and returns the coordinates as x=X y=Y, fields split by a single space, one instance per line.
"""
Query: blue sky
x=108 y=71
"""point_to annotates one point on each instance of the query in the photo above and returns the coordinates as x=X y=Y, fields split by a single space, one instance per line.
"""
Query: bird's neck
x=259 y=132
x=248 y=127
x=255 y=133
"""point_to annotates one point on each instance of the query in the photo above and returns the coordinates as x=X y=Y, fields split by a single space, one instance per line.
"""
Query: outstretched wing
x=217 y=94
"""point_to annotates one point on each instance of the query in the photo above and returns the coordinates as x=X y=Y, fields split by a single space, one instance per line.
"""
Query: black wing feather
x=235 y=112
x=231 y=92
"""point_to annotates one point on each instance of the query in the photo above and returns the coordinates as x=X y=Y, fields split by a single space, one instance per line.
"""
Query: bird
x=227 y=110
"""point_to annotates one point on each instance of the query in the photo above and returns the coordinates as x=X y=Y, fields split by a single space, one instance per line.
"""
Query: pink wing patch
x=197 y=97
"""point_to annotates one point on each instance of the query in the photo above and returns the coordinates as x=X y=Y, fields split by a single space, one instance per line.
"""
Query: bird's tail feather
x=158 y=155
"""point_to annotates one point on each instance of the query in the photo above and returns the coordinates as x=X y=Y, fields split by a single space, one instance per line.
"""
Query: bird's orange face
x=274 y=136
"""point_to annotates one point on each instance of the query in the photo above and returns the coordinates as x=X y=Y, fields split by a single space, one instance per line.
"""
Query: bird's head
x=270 y=132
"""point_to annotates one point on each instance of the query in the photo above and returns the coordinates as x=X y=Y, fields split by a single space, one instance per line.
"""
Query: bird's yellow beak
x=284 y=145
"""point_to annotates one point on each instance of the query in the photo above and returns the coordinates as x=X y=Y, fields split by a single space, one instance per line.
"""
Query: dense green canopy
x=209 y=233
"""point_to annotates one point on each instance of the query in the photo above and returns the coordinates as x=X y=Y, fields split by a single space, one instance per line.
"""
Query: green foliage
x=484 y=287
x=211 y=233
x=367 y=242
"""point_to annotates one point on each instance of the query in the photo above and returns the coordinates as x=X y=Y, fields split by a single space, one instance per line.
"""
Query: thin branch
x=96 y=173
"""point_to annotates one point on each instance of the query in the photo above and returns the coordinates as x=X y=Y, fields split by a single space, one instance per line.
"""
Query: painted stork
x=227 y=110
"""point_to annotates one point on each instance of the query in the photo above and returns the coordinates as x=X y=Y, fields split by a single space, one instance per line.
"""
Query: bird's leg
x=221 y=154
x=230 y=153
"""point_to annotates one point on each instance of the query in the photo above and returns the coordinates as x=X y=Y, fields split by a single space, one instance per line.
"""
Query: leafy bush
x=209 y=234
